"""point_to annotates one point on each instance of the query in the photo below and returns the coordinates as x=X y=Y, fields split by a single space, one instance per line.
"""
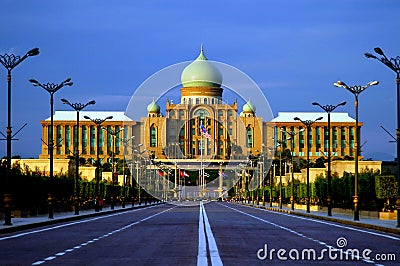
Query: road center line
x=85 y=244
x=205 y=230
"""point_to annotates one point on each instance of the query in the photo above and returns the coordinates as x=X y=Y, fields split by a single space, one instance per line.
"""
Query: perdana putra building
x=236 y=131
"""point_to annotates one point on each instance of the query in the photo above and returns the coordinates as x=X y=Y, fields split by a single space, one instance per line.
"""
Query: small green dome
x=153 y=107
x=249 y=108
x=201 y=73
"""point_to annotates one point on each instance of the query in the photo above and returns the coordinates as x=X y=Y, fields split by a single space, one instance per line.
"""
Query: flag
x=222 y=174
x=183 y=174
x=204 y=132
x=160 y=173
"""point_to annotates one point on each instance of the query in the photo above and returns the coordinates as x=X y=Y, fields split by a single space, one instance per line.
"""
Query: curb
x=331 y=219
x=16 y=228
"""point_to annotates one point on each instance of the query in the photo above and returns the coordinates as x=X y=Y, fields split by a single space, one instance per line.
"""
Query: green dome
x=249 y=108
x=153 y=107
x=201 y=73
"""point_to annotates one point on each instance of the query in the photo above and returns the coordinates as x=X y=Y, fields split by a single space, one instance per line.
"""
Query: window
x=84 y=139
x=101 y=140
x=249 y=137
x=318 y=138
x=92 y=132
x=59 y=139
x=197 y=101
x=205 y=100
x=153 y=136
x=301 y=140
x=326 y=138
x=76 y=144
x=343 y=137
x=334 y=138
x=351 y=138
x=117 y=139
x=109 y=139
x=67 y=139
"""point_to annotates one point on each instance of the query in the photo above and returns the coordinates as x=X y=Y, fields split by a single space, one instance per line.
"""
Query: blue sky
x=294 y=50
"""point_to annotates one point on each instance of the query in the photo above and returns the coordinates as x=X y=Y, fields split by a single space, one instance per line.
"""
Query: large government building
x=201 y=125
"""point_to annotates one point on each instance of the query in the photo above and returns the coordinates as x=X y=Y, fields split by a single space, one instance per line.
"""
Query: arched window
x=249 y=137
x=153 y=136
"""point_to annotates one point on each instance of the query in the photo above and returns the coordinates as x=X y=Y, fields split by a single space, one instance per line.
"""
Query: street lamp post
x=114 y=134
x=97 y=122
x=51 y=88
x=10 y=61
x=77 y=107
x=393 y=64
x=308 y=124
x=329 y=108
x=292 y=134
x=279 y=147
x=356 y=90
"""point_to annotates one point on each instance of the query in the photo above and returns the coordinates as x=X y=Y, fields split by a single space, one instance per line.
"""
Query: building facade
x=201 y=125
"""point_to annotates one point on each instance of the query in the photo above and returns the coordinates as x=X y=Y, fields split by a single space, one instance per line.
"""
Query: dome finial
x=201 y=55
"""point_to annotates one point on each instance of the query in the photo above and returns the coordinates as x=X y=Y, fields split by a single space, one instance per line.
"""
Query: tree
x=386 y=187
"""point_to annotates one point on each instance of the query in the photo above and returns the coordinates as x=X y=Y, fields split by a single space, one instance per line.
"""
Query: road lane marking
x=205 y=230
x=294 y=232
x=69 y=224
x=85 y=244
x=332 y=224
x=202 y=249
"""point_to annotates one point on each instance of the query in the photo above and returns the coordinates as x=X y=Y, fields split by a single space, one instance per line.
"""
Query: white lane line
x=73 y=223
x=59 y=254
x=212 y=245
x=202 y=249
x=296 y=233
x=332 y=224
x=205 y=231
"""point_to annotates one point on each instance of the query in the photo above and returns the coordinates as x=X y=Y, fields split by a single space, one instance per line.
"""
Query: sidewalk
x=388 y=226
x=19 y=224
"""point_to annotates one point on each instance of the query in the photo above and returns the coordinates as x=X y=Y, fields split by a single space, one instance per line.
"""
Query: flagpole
x=201 y=161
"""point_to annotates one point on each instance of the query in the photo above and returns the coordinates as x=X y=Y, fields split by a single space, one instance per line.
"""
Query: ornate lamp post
x=356 y=90
x=292 y=134
x=114 y=134
x=10 y=61
x=393 y=64
x=308 y=124
x=329 y=108
x=51 y=88
x=98 y=122
x=77 y=107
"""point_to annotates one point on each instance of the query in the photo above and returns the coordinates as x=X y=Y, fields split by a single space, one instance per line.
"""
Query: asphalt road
x=207 y=234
